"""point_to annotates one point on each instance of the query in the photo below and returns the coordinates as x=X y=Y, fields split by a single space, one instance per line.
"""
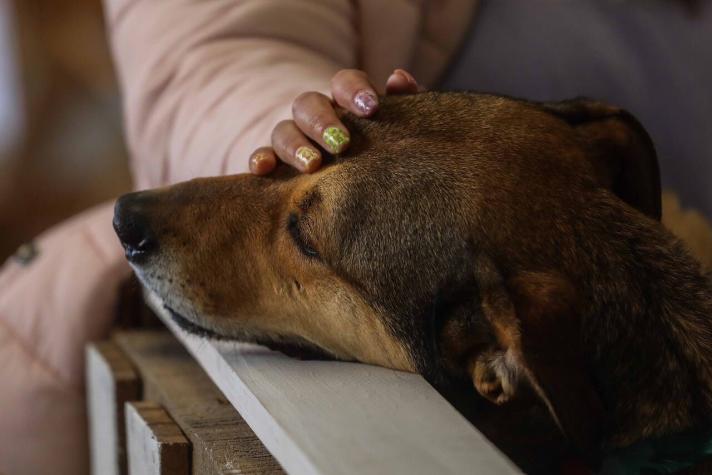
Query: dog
x=485 y=242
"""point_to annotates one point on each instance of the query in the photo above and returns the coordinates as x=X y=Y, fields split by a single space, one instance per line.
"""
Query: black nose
x=131 y=223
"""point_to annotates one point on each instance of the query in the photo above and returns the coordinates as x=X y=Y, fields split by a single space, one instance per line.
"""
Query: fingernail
x=366 y=102
x=306 y=156
x=336 y=139
x=256 y=160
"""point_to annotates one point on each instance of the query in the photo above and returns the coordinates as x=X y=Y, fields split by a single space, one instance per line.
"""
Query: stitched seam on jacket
x=119 y=14
x=94 y=245
x=46 y=367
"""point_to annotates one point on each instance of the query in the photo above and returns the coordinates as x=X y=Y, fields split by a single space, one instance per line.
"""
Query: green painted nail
x=336 y=139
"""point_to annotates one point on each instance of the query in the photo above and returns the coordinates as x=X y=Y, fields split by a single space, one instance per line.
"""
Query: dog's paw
x=495 y=377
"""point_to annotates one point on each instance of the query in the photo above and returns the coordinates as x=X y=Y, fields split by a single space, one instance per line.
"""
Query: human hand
x=315 y=124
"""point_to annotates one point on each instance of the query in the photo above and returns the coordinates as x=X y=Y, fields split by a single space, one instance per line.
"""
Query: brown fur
x=469 y=238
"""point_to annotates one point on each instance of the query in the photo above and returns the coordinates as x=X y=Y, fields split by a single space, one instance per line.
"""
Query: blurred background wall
x=61 y=145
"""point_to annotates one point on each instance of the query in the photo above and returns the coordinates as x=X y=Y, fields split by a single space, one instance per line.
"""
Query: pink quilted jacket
x=203 y=84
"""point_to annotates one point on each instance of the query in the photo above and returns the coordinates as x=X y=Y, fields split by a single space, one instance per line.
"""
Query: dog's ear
x=535 y=322
x=621 y=151
x=536 y=314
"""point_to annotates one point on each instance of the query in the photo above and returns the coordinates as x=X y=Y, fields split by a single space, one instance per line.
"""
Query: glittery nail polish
x=366 y=102
x=306 y=155
x=336 y=139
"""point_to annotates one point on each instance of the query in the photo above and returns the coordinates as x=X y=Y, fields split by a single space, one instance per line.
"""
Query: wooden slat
x=111 y=381
x=322 y=417
x=222 y=442
x=156 y=445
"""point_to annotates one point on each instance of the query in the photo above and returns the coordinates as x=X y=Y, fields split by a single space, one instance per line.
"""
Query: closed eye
x=298 y=237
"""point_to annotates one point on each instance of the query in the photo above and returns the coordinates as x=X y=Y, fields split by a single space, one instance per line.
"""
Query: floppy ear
x=621 y=151
x=535 y=321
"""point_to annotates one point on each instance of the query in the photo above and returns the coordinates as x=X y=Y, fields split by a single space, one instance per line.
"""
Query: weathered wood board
x=111 y=381
x=323 y=417
x=221 y=440
x=156 y=445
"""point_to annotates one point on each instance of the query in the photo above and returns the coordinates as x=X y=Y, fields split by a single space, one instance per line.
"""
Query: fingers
x=294 y=149
x=315 y=116
x=352 y=90
x=402 y=82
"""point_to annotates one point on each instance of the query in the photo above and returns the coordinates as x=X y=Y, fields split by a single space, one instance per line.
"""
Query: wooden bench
x=313 y=417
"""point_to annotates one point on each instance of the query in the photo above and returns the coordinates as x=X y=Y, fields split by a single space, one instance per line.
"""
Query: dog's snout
x=132 y=225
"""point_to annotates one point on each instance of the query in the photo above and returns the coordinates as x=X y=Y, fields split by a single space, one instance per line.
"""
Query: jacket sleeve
x=204 y=82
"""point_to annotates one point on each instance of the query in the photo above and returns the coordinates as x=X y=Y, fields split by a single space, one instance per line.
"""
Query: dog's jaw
x=180 y=308
x=192 y=322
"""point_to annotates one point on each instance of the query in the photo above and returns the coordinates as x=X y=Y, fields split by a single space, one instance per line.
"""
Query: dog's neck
x=649 y=330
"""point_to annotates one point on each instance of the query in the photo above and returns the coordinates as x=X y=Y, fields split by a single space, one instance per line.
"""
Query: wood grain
x=322 y=417
x=156 y=445
x=222 y=442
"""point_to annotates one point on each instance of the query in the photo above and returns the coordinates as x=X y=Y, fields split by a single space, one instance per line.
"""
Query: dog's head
x=449 y=226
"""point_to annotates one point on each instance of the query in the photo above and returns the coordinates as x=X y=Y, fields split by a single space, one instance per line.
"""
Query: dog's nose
x=131 y=224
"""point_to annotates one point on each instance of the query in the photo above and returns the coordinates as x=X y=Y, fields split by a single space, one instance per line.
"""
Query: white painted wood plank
x=323 y=417
x=110 y=382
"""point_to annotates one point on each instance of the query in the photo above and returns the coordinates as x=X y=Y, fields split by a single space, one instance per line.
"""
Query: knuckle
x=280 y=129
x=342 y=75
x=348 y=77
x=303 y=99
